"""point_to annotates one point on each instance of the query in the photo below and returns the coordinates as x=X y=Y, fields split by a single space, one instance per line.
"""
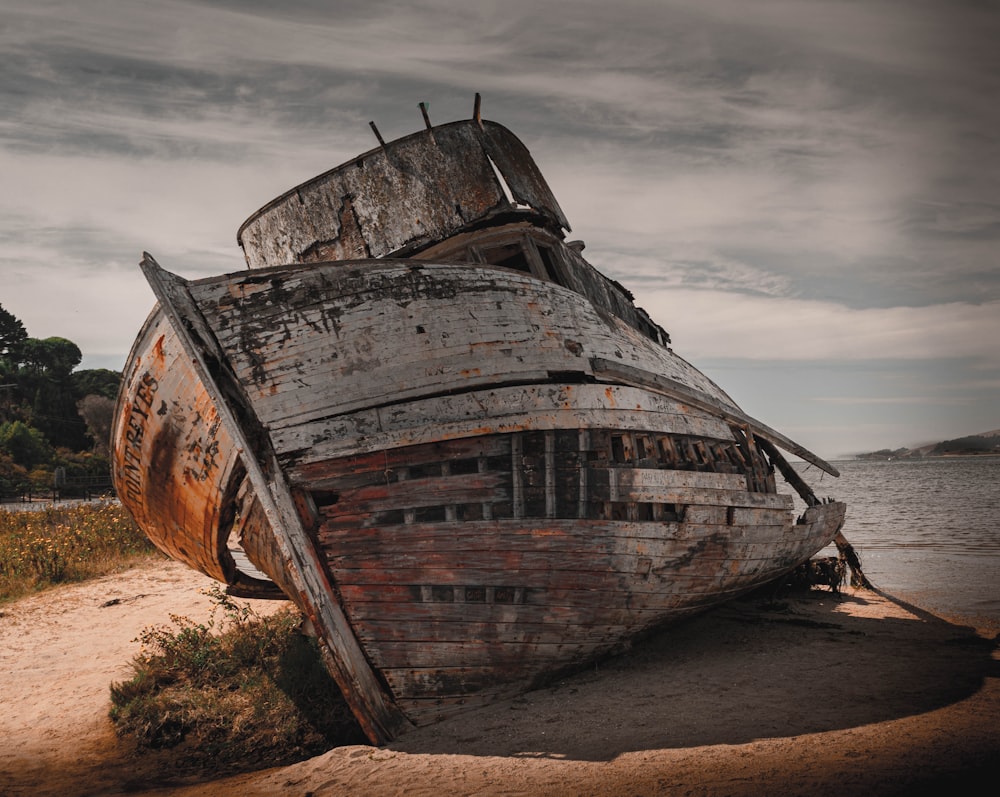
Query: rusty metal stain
x=173 y=460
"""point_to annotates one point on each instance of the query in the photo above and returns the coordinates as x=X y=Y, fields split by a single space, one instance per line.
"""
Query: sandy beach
x=818 y=694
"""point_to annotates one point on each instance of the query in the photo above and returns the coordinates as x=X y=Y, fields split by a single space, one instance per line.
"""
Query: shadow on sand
x=747 y=671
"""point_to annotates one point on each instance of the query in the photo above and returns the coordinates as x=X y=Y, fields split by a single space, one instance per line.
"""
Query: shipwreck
x=464 y=453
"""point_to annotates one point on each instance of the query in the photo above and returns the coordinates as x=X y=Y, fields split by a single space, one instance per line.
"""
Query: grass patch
x=239 y=694
x=57 y=545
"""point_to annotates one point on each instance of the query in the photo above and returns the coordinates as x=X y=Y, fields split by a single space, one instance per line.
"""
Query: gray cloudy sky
x=805 y=193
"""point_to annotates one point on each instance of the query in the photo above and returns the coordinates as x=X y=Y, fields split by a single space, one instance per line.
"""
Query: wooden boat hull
x=494 y=480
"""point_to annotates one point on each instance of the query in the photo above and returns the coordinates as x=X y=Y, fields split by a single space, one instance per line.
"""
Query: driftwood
x=850 y=556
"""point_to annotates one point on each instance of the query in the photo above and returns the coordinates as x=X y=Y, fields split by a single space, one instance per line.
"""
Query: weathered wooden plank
x=565 y=612
x=586 y=570
x=751 y=516
x=378 y=466
x=368 y=599
x=476 y=538
x=672 y=487
x=606 y=625
x=457 y=489
x=581 y=570
x=543 y=328
x=269 y=355
x=739 y=564
x=469 y=654
x=462 y=550
x=486 y=412
x=636 y=478
x=650 y=605
x=605 y=594
x=581 y=533
x=653 y=568
x=430 y=632
x=706 y=515
x=665 y=576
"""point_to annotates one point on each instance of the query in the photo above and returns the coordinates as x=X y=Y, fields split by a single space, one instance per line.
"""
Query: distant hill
x=984 y=443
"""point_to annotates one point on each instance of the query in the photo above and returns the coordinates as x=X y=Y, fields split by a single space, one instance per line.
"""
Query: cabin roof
x=402 y=196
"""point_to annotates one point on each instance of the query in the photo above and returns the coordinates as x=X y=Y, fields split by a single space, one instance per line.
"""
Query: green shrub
x=24 y=444
x=244 y=693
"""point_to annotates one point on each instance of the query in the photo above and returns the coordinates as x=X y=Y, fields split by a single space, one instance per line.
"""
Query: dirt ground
x=826 y=694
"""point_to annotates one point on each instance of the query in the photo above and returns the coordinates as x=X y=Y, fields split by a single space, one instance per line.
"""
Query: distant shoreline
x=984 y=444
x=876 y=456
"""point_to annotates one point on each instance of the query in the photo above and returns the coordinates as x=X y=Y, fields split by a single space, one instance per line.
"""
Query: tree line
x=971 y=444
x=55 y=421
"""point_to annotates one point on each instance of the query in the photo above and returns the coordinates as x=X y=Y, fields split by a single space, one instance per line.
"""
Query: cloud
x=705 y=324
x=809 y=182
x=894 y=401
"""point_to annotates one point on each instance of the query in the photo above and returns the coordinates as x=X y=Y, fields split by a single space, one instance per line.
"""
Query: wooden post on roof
x=476 y=111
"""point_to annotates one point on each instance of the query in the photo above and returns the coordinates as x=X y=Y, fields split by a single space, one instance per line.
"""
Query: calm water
x=928 y=531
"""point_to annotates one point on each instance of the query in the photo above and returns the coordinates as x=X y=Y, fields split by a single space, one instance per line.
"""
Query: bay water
x=927 y=530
